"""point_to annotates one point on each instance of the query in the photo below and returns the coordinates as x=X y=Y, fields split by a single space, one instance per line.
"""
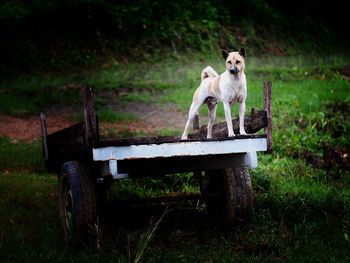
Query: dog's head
x=234 y=61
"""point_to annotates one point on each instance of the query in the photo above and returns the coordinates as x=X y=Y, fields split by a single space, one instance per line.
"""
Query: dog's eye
x=238 y=62
x=229 y=62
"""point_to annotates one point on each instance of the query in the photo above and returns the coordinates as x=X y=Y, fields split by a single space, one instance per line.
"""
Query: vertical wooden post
x=90 y=124
x=196 y=122
x=268 y=109
x=44 y=135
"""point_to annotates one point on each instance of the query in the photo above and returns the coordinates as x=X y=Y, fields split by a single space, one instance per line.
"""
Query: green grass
x=174 y=79
x=108 y=115
x=27 y=208
x=302 y=213
x=19 y=155
x=294 y=217
x=148 y=187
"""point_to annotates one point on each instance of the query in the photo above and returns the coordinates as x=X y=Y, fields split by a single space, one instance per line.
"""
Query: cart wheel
x=76 y=200
x=244 y=193
x=229 y=194
x=218 y=189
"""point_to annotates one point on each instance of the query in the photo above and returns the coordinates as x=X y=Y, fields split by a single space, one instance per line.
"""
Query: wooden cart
x=85 y=164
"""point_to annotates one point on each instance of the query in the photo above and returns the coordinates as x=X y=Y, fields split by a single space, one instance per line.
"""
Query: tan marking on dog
x=214 y=86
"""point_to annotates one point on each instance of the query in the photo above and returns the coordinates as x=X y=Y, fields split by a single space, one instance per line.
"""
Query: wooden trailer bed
x=84 y=163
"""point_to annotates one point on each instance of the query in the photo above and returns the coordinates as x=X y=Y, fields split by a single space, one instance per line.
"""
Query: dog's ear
x=224 y=54
x=242 y=52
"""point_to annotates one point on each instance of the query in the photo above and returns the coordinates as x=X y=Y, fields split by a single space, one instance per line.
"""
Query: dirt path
x=152 y=118
x=156 y=117
x=28 y=129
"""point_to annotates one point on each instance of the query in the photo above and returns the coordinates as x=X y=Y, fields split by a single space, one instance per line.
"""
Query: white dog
x=229 y=87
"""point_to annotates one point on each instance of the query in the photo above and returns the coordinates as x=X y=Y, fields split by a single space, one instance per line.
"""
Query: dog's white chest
x=234 y=93
x=232 y=90
x=236 y=98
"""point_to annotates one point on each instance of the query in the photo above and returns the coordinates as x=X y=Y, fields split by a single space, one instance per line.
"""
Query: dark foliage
x=53 y=34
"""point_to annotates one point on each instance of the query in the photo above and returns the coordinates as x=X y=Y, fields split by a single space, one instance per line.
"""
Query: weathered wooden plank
x=64 y=145
x=44 y=135
x=90 y=122
x=67 y=137
x=167 y=139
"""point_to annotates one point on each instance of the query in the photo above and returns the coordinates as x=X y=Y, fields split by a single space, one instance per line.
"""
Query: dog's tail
x=208 y=72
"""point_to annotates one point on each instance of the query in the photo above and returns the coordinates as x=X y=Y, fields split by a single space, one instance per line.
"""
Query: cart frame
x=77 y=152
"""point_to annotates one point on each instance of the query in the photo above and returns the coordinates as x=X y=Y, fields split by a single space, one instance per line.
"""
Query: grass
x=174 y=79
x=293 y=217
x=19 y=155
x=302 y=212
x=108 y=115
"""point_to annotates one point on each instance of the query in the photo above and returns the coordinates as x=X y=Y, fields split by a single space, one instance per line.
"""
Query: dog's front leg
x=227 y=108
x=241 y=118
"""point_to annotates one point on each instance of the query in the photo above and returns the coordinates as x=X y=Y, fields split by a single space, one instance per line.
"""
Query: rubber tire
x=76 y=200
x=228 y=194
x=244 y=193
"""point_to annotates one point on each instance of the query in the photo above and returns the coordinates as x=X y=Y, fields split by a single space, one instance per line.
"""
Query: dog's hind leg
x=192 y=113
x=241 y=118
x=212 y=103
x=212 y=116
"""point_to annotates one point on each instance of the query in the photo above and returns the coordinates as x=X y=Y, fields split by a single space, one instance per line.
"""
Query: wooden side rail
x=74 y=142
x=91 y=130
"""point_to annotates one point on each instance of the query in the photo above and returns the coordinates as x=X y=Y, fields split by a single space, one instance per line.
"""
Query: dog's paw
x=231 y=134
x=242 y=132
x=184 y=138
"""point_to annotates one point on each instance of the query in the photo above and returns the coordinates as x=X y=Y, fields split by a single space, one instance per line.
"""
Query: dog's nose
x=234 y=70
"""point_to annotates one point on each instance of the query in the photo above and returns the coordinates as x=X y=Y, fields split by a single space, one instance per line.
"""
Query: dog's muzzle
x=234 y=70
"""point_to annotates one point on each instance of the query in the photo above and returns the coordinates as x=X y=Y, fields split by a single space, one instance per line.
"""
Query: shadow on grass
x=288 y=224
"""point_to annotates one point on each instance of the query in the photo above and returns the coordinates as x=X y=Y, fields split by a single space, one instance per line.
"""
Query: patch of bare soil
x=333 y=157
x=155 y=117
x=28 y=128
x=337 y=125
x=345 y=71
x=152 y=118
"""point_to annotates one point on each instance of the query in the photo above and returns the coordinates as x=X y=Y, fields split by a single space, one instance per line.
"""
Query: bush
x=59 y=33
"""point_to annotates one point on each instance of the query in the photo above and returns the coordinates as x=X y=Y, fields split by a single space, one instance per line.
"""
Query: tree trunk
x=252 y=124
